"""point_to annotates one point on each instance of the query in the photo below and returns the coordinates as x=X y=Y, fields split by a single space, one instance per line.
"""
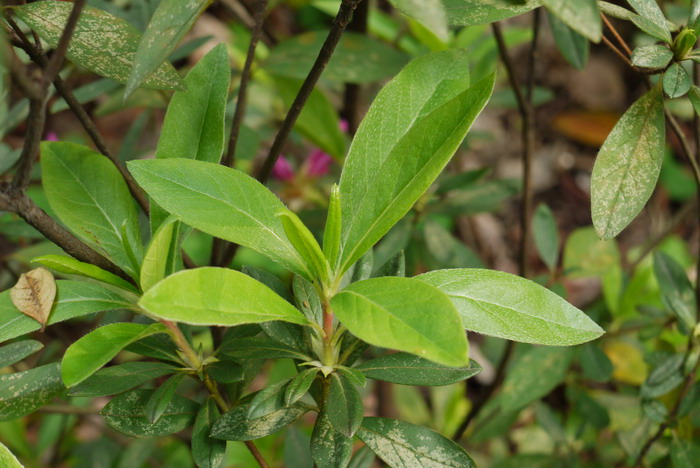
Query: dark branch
x=54 y=65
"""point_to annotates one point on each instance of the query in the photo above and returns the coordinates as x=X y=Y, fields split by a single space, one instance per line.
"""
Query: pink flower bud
x=318 y=163
x=282 y=170
x=51 y=136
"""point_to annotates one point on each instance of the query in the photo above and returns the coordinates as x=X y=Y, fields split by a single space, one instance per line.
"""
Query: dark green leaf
x=677 y=293
x=235 y=425
x=594 y=412
x=582 y=16
x=307 y=299
x=261 y=348
x=407 y=369
x=226 y=371
x=118 y=379
x=665 y=376
x=573 y=46
x=297 y=449
x=161 y=398
x=684 y=454
x=207 y=451
x=595 y=364
x=15 y=352
x=299 y=385
x=676 y=81
x=651 y=56
x=344 y=405
x=329 y=448
x=127 y=413
x=268 y=400
x=649 y=10
x=25 y=392
x=401 y=444
x=546 y=235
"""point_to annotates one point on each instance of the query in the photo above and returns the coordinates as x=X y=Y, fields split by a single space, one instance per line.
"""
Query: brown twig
x=526 y=110
x=617 y=51
x=616 y=34
x=54 y=66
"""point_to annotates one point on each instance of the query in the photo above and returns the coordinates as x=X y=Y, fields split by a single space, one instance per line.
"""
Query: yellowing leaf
x=628 y=362
x=34 y=294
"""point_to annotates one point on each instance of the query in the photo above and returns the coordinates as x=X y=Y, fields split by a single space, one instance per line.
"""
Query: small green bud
x=684 y=43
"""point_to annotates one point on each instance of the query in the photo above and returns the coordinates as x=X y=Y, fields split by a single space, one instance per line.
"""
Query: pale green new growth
x=7 y=459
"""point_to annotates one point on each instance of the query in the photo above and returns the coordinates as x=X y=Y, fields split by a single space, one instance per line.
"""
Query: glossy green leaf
x=73 y=299
x=573 y=46
x=582 y=16
x=651 y=56
x=628 y=165
x=407 y=369
x=161 y=398
x=318 y=121
x=344 y=405
x=25 y=392
x=71 y=266
x=508 y=306
x=127 y=414
x=261 y=348
x=226 y=371
x=17 y=351
x=305 y=243
x=546 y=234
x=428 y=98
x=676 y=80
x=329 y=447
x=120 y=378
x=84 y=357
x=649 y=10
x=677 y=293
x=91 y=198
x=472 y=12
x=403 y=314
x=193 y=127
x=207 y=451
x=353 y=375
x=161 y=254
x=216 y=296
x=534 y=375
x=299 y=385
x=401 y=444
x=430 y=13
x=357 y=58
x=7 y=459
x=202 y=194
x=268 y=400
x=235 y=425
x=101 y=42
x=169 y=23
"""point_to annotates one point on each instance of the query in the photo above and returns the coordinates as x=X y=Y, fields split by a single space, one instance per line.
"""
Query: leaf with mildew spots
x=329 y=447
x=628 y=165
x=207 y=451
x=169 y=23
x=403 y=445
x=583 y=16
x=472 y=12
x=344 y=405
x=15 y=352
x=676 y=81
x=101 y=42
x=235 y=424
x=34 y=294
x=25 y=392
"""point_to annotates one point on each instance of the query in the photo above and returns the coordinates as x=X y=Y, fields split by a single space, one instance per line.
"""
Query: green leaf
x=508 y=306
x=403 y=314
x=401 y=444
x=585 y=255
x=261 y=348
x=268 y=400
x=299 y=385
x=226 y=371
x=357 y=58
x=694 y=95
x=305 y=243
x=297 y=452
x=684 y=454
x=15 y=352
x=573 y=46
x=430 y=13
x=333 y=229
x=344 y=405
x=203 y=194
x=651 y=56
x=428 y=98
x=161 y=397
x=161 y=254
x=235 y=425
x=677 y=293
x=318 y=120
x=207 y=451
x=406 y=369
x=7 y=459
x=194 y=122
x=101 y=43
x=676 y=80
x=307 y=299
x=73 y=299
x=534 y=375
x=473 y=12
x=329 y=448
x=582 y=16
x=89 y=195
x=25 y=392
x=169 y=23
x=546 y=234
x=649 y=10
x=628 y=165
x=127 y=414
x=120 y=378
x=595 y=364
x=71 y=266
x=216 y=296
x=84 y=357
x=445 y=250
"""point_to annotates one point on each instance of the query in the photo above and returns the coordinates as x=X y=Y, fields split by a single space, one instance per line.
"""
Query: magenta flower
x=318 y=163
x=51 y=136
x=282 y=170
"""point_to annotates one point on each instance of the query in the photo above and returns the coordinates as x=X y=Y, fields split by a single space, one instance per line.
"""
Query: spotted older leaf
x=582 y=16
x=401 y=445
x=235 y=424
x=102 y=43
x=628 y=165
x=34 y=294
x=15 y=352
x=24 y=392
x=471 y=12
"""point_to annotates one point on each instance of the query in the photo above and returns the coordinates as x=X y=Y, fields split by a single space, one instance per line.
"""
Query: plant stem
x=526 y=111
x=616 y=34
x=54 y=65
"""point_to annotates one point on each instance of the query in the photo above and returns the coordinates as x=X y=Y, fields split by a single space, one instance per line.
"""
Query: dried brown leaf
x=34 y=294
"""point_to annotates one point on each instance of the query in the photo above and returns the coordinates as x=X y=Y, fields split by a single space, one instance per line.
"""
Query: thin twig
x=239 y=11
x=526 y=110
x=56 y=62
x=339 y=24
x=617 y=51
x=616 y=34
x=230 y=157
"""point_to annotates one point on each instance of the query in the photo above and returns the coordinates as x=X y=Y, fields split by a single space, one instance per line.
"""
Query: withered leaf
x=34 y=294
